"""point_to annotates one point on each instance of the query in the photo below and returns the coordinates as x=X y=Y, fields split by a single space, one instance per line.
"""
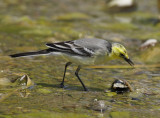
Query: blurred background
x=26 y=25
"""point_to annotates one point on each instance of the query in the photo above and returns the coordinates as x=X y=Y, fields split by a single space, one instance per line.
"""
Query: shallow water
x=25 y=27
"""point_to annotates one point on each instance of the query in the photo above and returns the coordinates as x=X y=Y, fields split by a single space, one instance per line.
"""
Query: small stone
x=121 y=86
x=148 y=43
x=122 y=5
x=98 y=105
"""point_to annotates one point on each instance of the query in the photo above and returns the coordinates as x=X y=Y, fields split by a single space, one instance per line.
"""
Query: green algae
x=120 y=115
x=72 y=16
x=111 y=94
x=11 y=29
x=121 y=27
x=44 y=91
x=44 y=114
x=41 y=31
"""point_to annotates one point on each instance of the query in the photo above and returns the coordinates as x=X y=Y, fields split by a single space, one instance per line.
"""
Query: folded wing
x=70 y=47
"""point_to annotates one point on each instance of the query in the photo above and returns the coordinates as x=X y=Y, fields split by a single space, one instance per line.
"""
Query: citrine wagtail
x=85 y=51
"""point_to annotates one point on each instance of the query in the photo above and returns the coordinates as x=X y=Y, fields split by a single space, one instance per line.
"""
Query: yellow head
x=119 y=52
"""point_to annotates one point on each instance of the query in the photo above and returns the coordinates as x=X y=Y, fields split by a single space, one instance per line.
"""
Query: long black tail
x=41 y=52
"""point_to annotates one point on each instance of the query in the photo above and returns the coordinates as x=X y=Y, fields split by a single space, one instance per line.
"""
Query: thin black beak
x=129 y=61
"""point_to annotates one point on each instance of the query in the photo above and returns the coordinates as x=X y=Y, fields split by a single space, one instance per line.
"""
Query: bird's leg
x=76 y=73
x=67 y=64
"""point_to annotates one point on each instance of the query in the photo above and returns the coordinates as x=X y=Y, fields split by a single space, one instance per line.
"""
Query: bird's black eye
x=122 y=55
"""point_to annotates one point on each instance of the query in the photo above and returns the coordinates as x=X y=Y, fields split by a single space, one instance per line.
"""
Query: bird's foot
x=85 y=89
x=62 y=85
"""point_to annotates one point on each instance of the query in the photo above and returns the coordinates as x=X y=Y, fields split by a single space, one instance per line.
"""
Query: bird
x=83 y=51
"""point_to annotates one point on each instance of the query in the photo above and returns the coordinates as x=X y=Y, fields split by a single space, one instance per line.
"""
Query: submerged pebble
x=99 y=105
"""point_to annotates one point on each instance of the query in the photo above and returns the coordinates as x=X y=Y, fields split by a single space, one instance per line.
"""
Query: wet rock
x=121 y=5
x=148 y=43
x=121 y=86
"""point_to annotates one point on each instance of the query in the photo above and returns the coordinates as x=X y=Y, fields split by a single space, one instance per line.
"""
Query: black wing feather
x=70 y=47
